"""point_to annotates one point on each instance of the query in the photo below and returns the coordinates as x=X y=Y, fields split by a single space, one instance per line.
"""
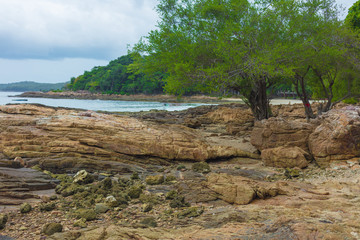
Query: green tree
x=214 y=46
x=322 y=55
x=353 y=17
x=251 y=47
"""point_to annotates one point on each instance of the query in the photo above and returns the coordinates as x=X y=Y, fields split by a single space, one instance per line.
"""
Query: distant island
x=25 y=86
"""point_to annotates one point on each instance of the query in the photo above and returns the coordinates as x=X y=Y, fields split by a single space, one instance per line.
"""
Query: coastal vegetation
x=30 y=86
x=253 y=47
x=116 y=78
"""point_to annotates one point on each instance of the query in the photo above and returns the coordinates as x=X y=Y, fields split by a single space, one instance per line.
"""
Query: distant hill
x=26 y=86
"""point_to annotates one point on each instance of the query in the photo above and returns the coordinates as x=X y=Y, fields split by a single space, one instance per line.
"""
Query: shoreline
x=136 y=97
x=85 y=95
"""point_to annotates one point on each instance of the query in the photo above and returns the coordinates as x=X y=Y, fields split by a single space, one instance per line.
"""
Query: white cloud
x=53 y=28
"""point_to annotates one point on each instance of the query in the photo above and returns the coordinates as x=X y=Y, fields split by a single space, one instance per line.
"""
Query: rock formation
x=292 y=143
x=72 y=137
x=285 y=157
x=19 y=184
x=337 y=137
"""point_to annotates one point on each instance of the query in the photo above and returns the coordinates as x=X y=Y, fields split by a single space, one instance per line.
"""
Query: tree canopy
x=353 y=17
x=252 y=47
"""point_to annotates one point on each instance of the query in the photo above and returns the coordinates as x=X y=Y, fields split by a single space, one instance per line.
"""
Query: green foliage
x=213 y=46
x=353 y=17
x=118 y=77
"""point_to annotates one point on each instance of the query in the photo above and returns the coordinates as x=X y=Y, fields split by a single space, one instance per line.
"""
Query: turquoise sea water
x=96 y=105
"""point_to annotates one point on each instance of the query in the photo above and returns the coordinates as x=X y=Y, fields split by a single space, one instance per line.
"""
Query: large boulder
x=285 y=157
x=47 y=134
x=337 y=137
x=278 y=132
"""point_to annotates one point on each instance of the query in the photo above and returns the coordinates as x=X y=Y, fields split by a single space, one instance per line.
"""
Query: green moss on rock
x=88 y=214
x=147 y=207
x=80 y=223
x=201 y=167
x=47 y=207
x=25 y=208
x=135 y=191
x=83 y=177
x=107 y=183
x=190 y=212
x=51 y=228
x=171 y=195
x=154 y=180
x=3 y=220
x=178 y=202
x=148 y=222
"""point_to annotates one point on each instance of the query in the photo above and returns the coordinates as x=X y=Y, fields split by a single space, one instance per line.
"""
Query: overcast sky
x=54 y=40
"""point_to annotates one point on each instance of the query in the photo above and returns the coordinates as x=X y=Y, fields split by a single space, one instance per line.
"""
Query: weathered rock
x=179 y=202
x=80 y=223
x=146 y=207
x=190 y=212
x=231 y=189
x=155 y=180
x=149 y=222
x=290 y=111
x=201 y=167
x=3 y=220
x=337 y=137
x=88 y=214
x=83 y=177
x=18 y=185
x=68 y=136
x=20 y=161
x=25 y=208
x=135 y=191
x=241 y=190
x=239 y=120
x=240 y=114
x=47 y=207
x=278 y=132
x=101 y=208
x=285 y=157
x=51 y=228
x=111 y=201
x=9 y=164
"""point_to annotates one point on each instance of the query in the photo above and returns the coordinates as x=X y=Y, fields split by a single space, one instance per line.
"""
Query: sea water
x=97 y=105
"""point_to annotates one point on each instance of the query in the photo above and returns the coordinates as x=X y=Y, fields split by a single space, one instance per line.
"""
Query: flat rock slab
x=16 y=185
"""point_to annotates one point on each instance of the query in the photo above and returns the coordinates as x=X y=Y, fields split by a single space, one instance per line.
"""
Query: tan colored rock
x=278 y=132
x=20 y=161
x=285 y=157
x=51 y=134
x=239 y=115
x=338 y=136
x=231 y=189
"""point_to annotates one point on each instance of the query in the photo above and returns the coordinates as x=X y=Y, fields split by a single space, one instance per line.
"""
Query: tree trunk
x=301 y=92
x=259 y=102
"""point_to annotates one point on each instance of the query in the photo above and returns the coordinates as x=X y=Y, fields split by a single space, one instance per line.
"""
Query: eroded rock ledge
x=61 y=138
x=334 y=136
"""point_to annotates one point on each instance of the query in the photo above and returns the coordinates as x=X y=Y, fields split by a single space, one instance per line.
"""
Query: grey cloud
x=50 y=29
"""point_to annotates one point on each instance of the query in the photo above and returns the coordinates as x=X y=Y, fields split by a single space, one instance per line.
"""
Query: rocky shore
x=138 y=97
x=209 y=172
